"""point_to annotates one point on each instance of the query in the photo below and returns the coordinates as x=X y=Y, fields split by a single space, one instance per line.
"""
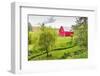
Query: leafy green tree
x=81 y=32
x=47 y=39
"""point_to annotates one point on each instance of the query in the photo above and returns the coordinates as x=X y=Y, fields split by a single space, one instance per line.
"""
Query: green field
x=64 y=48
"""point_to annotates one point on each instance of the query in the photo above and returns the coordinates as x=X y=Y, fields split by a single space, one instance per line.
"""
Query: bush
x=65 y=55
x=32 y=37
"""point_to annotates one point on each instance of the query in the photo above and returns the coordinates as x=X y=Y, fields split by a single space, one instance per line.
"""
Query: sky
x=52 y=21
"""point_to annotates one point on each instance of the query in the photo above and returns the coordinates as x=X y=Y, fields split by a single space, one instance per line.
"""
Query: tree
x=29 y=27
x=29 y=33
x=81 y=34
x=47 y=39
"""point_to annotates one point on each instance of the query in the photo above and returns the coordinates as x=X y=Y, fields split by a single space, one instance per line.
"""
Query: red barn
x=65 y=32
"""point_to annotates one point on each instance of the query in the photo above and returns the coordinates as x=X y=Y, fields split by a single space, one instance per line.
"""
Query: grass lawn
x=66 y=53
x=62 y=42
x=71 y=53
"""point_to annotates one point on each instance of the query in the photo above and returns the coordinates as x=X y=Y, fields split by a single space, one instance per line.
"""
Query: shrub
x=33 y=37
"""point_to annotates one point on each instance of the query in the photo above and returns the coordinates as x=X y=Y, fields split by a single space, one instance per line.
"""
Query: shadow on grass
x=56 y=49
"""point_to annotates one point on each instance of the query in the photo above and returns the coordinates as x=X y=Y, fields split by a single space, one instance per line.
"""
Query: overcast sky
x=52 y=21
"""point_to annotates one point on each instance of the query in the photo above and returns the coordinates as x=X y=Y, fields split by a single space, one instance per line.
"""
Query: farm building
x=65 y=32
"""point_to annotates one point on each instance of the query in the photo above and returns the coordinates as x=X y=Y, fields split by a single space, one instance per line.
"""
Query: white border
x=19 y=38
